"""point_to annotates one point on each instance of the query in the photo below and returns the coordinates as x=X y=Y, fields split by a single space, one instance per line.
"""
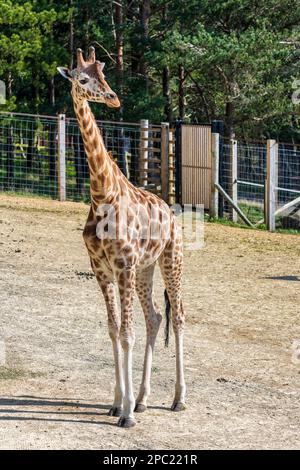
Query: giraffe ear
x=100 y=64
x=65 y=72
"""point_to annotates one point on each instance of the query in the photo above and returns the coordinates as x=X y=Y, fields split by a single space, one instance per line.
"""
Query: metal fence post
x=178 y=160
x=164 y=166
x=218 y=128
x=271 y=184
x=62 y=156
x=171 y=168
x=143 y=163
x=214 y=194
x=233 y=178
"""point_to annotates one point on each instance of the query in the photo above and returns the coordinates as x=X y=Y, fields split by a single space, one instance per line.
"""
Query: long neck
x=103 y=171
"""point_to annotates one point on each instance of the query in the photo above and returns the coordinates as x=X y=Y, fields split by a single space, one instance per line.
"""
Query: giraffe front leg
x=108 y=290
x=153 y=318
x=126 y=281
x=117 y=407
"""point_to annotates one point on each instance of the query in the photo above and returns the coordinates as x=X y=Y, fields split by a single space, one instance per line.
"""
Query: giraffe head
x=88 y=80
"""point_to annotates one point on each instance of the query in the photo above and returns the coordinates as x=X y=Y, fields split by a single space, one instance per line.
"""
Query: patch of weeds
x=288 y=231
x=261 y=227
x=227 y=222
x=28 y=195
x=13 y=374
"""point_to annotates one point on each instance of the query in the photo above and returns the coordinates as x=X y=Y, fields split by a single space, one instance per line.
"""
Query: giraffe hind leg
x=171 y=269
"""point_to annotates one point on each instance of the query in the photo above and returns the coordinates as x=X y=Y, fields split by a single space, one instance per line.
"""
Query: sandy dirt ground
x=242 y=298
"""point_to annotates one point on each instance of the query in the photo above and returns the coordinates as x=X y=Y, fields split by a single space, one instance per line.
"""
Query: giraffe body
x=127 y=231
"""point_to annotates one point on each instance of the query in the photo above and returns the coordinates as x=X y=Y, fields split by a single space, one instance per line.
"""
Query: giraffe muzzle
x=112 y=100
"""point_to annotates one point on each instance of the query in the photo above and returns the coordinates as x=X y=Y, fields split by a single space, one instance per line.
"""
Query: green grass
x=26 y=194
x=261 y=227
x=289 y=231
x=229 y=223
x=252 y=212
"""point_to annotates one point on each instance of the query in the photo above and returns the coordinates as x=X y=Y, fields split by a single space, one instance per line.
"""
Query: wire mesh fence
x=29 y=163
x=29 y=155
x=288 y=193
x=251 y=177
x=28 y=149
x=121 y=140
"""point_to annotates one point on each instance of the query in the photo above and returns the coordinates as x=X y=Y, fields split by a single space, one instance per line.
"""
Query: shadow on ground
x=7 y=404
x=283 y=278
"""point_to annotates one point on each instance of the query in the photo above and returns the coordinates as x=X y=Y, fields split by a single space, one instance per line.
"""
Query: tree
x=229 y=59
x=237 y=63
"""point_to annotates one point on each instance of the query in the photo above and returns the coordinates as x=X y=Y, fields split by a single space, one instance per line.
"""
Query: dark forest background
x=197 y=60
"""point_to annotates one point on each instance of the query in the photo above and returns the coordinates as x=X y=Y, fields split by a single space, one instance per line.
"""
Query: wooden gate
x=196 y=164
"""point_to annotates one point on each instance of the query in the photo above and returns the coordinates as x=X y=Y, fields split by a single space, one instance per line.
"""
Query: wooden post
x=62 y=156
x=171 y=169
x=271 y=184
x=233 y=178
x=143 y=164
x=164 y=166
x=214 y=196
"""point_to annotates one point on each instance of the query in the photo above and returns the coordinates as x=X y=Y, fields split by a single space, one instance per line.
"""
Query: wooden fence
x=196 y=165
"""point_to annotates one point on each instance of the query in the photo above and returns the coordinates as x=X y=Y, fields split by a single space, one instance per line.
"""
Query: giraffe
x=125 y=262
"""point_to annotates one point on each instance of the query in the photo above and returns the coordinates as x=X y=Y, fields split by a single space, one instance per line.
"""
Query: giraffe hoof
x=140 y=408
x=115 y=411
x=126 y=422
x=178 y=406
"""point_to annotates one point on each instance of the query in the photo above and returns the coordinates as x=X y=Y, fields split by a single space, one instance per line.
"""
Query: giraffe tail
x=168 y=317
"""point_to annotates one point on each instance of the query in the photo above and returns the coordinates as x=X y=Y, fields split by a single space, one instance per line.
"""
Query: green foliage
x=240 y=58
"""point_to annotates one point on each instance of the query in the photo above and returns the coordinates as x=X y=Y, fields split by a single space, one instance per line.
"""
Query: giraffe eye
x=83 y=81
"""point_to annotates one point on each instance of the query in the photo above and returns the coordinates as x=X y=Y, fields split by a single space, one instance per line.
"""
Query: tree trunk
x=119 y=41
x=119 y=48
x=9 y=82
x=181 y=92
x=86 y=22
x=36 y=89
x=145 y=13
x=166 y=73
x=52 y=92
x=229 y=120
x=130 y=18
x=167 y=93
x=71 y=36
x=120 y=73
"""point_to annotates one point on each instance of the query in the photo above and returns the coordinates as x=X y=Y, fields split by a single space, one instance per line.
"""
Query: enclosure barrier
x=259 y=182
x=251 y=182
x=45 y=155
x=254 y=182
